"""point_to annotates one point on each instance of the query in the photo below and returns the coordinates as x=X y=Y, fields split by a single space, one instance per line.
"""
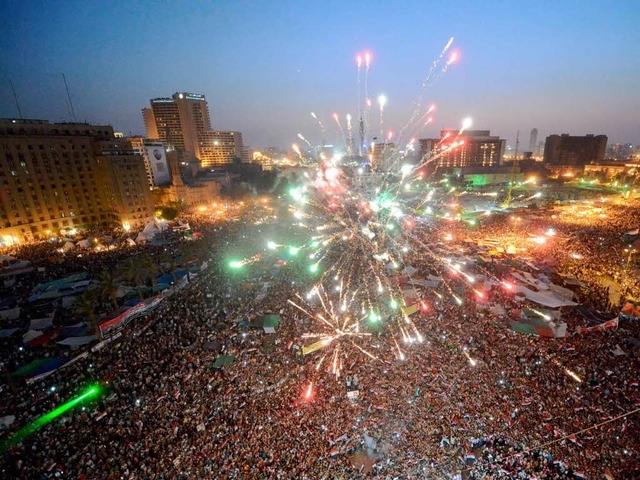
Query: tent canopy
x=39 y=366
x=224 y=360
x=266 y=321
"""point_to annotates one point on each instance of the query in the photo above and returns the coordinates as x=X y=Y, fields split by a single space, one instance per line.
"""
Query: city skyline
x=264 y=69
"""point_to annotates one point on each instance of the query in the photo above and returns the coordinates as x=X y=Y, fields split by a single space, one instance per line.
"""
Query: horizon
x=264 y=68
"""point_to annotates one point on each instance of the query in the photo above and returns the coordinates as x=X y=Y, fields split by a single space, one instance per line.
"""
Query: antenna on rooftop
x=72 y=112
x=15 y=97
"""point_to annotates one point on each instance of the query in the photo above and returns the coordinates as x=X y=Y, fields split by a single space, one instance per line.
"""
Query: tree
x=131 y=270
x=108 y=286
x=169 y=213
x=84 y=304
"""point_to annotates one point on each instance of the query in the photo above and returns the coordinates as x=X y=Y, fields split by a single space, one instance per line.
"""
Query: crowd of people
x=473 y=400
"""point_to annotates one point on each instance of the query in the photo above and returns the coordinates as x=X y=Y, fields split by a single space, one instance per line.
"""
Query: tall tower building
x=533 y=141
x=219 y=148
x=150 y=123
x=181 y=117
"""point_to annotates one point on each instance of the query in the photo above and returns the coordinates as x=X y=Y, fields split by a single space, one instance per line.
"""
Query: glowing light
x=309 y=391
x=382 y=100
x=30 y=428
x=466 y=123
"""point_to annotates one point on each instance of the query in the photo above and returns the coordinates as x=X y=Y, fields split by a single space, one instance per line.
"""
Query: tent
x=40 y=323
x=546 y=298
x=39 y=366
x=224 y=360
x=84 y=244
x=30 y=335
x=266 y=321
x=74 y=341
x=68 y=246
x=8 y=332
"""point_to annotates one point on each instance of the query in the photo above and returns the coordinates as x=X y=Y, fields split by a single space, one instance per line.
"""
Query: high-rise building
x=573 y=150
x=533 y=141
x=178 y=120
x=472 y=148
x=219 y=148
x=150 y=123
x=57 y=177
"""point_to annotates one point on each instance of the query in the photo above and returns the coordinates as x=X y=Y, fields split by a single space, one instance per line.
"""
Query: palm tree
x=84 y=304
x=108 y=286
x=149 y=268
x=130 y=270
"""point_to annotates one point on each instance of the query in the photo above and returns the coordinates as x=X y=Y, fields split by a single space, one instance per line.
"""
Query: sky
x=560 y=66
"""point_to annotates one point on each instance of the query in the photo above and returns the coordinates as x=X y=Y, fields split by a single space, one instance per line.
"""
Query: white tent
x=84 y=244
x=68 y=246
x=131 y=242
x=30 y=335
x=547 y=298
x=40 y=323
x=10 y=313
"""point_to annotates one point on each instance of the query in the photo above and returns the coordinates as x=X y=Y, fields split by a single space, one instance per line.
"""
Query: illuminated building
x=178 y=120
x=219 y=148
x=472 y=148
x=58 y=177
x=155 y=160
x=576 y=151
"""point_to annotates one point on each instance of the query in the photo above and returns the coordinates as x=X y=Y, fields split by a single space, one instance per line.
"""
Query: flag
x=470 y=457
x=334 y=453
x=101 y=416
x=526 y=402
x=608 y=475
x=579 y=474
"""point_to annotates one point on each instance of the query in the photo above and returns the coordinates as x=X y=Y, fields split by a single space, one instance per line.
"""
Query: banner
x=110 y=327
x=406 y=311
x=314 y=346
x=603 y=327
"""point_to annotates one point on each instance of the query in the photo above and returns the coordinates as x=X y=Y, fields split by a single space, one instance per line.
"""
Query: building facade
x=219 y=148
x=178 y=120
x=573 y=150
x=59 y=177
x=471 y=148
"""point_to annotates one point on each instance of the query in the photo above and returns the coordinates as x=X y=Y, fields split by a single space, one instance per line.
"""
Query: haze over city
x=568 y=67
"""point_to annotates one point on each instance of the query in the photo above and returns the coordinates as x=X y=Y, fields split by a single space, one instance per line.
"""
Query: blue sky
x=560 y=66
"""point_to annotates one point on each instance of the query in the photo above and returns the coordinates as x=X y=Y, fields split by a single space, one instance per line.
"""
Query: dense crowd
x=512 y=413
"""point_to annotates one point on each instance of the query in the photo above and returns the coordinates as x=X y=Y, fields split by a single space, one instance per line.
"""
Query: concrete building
x=178 y=120
x=220 y=148
x=155 y=160
x=383 y=156
x=566 y=149
x=150 y=123
x=533 y=142
x=58 y=177
x=472 y=148
x=194 y=194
